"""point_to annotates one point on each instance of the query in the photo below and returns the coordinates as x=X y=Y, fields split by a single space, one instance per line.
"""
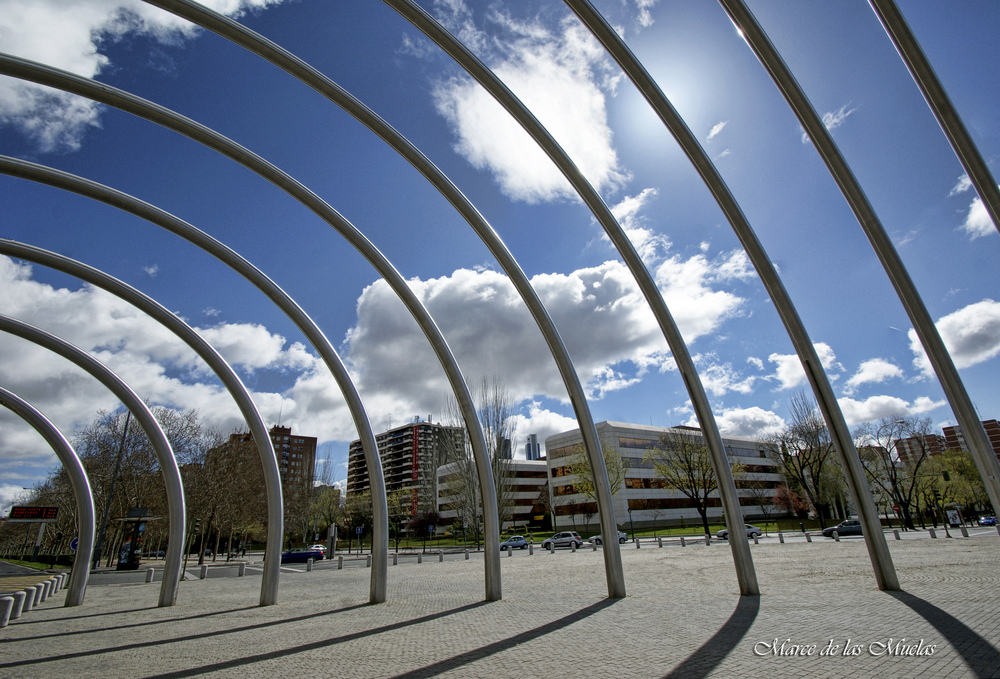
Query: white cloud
x=753 y=422
x=875 y=370
x=69 y=35
x=651 y=246
x=9 y=495
x=961 y=186
x=789 y=372
x=978 y=222
x=832 y=120
x=971 y=335
x=607 y=326
x=645 y=18
x=878 y=407
x=721 y=378
x=563 y=75
x=716 y=129
x=151 y=270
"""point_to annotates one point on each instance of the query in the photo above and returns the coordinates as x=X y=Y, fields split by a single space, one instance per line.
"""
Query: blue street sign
x=73 y=543
x=359 y=529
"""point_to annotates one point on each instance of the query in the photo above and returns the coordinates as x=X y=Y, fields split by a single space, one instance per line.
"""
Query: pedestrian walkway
x=820 y=615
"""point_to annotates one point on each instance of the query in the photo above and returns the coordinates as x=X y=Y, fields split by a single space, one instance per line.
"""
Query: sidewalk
x=683 y=617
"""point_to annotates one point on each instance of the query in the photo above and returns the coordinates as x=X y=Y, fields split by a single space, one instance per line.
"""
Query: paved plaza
x=820 y=615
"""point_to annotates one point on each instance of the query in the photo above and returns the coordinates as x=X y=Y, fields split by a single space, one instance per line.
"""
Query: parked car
x=514 y=542
x=301 y=555
x=849 y=527
x=564 y=539
x=319 y=548
x=987 y=520
x=752 y=531
x=597 y=540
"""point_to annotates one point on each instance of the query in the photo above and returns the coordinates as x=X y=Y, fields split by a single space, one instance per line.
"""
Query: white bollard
x=683 y=542
x=149 y=575
x=932 y=532
x=895 y=533
x=6 y=606
x=309 y=565
x=638 y=545
x=755 y=539
x=39 y=588
x=836 y=536
x=659 y=542
x=242 y=572
x=552 y=548
x=395 y=557
x=781 y=537
x=18 y=605
x=420 y=558
x=368 y=561
x=466 y=555
x=46 y=588
x=510 y=552
x=808 y=538
x=572 y=546
x=204 y=571
x=441 y=555
x=965 y=533
x=708 y=540
x=29 y=598
x=340 y=562
x=531 y=549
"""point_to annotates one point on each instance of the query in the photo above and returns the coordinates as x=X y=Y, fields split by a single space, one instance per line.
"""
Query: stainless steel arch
x=164 y=453
x=305 y=73
x=27 y=70
x=745 y=573
x=923 y=325
x=279 y=297
x=82 y=494
x=940 y=104
x=878 y=551
x=225 y=373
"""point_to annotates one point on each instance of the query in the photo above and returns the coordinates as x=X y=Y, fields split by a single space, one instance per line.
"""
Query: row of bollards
x=20 y=602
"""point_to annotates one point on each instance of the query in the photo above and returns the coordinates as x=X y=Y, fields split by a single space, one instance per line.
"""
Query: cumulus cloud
x=874 y=370
x=878 y=407
x=606 y=324
x=832 y=120
x=754 y=422
x=70 y=36
x=961 y=186
x=788 y=369
x=971 y=335
x=562 y=74
x=977 y=221
x=149 y=358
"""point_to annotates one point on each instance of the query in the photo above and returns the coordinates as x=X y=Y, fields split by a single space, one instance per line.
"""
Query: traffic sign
x=74 y=543
x=359 y=529
x=33 y=513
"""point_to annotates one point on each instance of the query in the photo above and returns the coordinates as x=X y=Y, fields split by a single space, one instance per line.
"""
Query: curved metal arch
x=850 y=461
x=78 y=480
x=167 y=221
x=176 y=510
x=923 y=324
x=46 y=75
x=273 y=53
x=940 y=104
x=225 y=373
x=743 y=561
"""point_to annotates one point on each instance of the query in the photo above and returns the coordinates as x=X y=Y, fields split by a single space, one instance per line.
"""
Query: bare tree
x=807 y=455
x=683 y=463
x=583 y=480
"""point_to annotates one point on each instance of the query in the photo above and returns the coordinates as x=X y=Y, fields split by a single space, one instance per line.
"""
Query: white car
x=597 y=540
x=564 y=539
x=318 y=548
x=752 y=531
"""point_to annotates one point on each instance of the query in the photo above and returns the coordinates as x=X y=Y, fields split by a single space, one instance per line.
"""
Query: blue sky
x=838 y=52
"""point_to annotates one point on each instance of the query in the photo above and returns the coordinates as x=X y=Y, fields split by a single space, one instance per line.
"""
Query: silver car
x=752 y=531
x=598 y=540
x=564 y=539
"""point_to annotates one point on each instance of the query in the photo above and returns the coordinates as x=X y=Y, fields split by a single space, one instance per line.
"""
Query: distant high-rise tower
x=532 y=451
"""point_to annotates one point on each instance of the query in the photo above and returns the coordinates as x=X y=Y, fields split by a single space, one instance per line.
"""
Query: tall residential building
x=956 y=438
x=410 y=457
x=912 y=449
x=643 y=497
x=296 y=456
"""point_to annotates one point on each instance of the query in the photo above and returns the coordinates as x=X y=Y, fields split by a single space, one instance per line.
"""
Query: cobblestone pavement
x=683 y=617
